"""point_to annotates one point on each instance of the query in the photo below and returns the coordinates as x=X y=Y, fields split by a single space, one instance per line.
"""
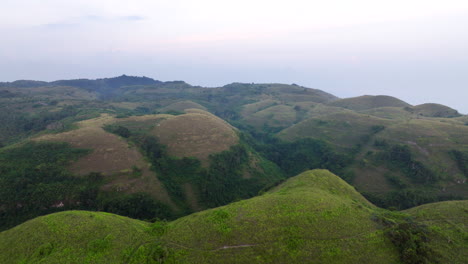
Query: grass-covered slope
x=75 y=237
x=313 y=217
x=448 y=222
x=435 y=110
x=368 y=102
x=196 y=134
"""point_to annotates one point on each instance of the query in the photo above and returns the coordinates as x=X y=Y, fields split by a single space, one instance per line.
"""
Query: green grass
x=368 y=102
x=435 y=110
x=74 y=237
x=273 y=116
x=314 y=217
x=448 y=222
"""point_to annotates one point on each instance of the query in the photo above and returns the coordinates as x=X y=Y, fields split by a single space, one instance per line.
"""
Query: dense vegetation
x=461 y=159
x=35 y=181
x=409 y=237
x=218 y=184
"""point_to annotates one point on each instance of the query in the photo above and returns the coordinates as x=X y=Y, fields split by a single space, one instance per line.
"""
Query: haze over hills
x=152 y=150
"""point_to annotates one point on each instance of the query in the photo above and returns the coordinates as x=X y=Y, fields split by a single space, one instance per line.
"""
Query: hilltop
x=314 y=216
x=368 y=102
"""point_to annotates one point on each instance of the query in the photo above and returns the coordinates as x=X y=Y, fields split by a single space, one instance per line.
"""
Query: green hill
x=449 y=223
x=435 y=110
x=180 y=106
x=314 y=217
x=75 y=237
x=368 y=102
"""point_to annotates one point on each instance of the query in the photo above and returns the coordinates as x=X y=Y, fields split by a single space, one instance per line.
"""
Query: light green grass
x=74 y=237
x=449 y=223
x=368 y=102
x=314 y=217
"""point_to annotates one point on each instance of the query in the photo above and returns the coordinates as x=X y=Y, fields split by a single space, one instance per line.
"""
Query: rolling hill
x=151 y=149
x=313 y=217
x=368 y=102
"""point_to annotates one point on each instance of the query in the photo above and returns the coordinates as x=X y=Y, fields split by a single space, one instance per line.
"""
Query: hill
x=195 y=134
x=448 y=222
x=75 y=237
x=176 y=163
x=242 y=138
x=368 y=102
x=435 y=110
x=313 y=217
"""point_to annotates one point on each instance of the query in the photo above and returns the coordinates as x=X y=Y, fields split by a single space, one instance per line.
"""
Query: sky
x=416 y=50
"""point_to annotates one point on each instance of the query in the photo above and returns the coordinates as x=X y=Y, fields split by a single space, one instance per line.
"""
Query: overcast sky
x=416 y=50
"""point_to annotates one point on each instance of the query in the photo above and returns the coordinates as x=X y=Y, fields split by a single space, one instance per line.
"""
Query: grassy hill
x=217 y=145
x=196 y=134
x=178 y=163
x=448 y=222
x=368 y=102
x=112 y=156
x=313 y=217
x=181 y=106
x=435 y=110
x=75 y=237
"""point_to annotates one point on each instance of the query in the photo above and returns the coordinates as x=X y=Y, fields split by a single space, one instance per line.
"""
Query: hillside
x=448 y=221
x=313 y=217
x=195 y=134
x=435 y=110
x=185 y=148
x=75 y=237
x=368 y=102
x=177 y=164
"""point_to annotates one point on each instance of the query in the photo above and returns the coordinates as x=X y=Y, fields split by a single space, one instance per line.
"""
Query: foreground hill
x=313 y=217
x=74 y=237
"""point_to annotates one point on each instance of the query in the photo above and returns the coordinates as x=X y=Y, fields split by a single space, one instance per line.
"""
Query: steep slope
x=368 y=102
